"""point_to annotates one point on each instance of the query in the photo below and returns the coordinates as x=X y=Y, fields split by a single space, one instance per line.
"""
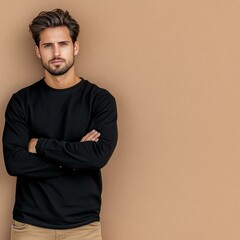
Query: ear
x=76 y=48
x=38 y=52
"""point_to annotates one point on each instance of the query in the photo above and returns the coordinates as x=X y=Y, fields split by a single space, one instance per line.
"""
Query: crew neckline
x=69 y=89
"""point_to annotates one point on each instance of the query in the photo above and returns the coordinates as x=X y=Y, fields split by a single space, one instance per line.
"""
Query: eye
x=48 y=45
x=63 y=44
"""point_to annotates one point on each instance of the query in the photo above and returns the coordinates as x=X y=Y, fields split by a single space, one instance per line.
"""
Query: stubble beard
x=58 y=70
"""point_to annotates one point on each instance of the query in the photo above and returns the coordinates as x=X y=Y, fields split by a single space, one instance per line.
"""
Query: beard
x=58 y=70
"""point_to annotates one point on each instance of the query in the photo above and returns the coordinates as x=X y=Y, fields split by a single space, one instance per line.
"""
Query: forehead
x=55 y=34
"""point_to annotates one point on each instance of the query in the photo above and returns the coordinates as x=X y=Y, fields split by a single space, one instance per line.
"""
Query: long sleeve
x=16 y=135
x=60 y=186
x=87 y=155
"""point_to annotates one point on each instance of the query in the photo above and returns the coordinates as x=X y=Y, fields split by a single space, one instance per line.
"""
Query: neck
x=66 y=80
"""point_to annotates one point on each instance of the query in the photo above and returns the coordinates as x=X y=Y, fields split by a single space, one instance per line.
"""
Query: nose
x=56 y=50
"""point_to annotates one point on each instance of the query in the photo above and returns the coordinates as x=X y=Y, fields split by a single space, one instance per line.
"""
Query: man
x=59 y=132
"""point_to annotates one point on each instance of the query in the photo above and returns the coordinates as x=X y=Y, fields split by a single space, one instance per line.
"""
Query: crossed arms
x=46 y=158
x=91 y=136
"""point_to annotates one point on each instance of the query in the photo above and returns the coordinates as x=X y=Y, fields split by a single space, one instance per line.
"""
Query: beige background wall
x=173 y=66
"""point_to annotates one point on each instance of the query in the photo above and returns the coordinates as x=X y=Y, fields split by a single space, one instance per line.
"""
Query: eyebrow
x=50 y=43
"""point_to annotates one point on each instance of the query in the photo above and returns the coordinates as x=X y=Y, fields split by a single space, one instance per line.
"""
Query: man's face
x=56 y=50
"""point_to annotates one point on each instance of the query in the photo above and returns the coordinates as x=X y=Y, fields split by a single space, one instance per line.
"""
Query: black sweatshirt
x=60 y=186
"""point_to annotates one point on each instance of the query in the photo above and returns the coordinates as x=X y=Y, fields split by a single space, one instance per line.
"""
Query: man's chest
x=62 y=119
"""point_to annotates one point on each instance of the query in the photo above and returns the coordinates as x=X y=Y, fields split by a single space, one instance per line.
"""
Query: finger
x=89 y=136
x=93 y=136
x=85 y=137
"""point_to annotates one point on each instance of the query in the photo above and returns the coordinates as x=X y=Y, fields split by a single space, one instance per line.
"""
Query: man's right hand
x=91 y=136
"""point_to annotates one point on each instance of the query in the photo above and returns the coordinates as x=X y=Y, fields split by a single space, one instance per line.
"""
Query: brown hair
x=54 y=18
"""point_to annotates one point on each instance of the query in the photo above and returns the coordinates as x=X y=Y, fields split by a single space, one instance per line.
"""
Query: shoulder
x=96 y=91
x=19 y=99
x=100 y=98
x=22 y=93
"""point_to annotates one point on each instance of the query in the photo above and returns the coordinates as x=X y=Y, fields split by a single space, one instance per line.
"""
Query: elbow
x=101 y=163
x=103 y=156
x=11 y=171
x=11 y=165
x=97 y=162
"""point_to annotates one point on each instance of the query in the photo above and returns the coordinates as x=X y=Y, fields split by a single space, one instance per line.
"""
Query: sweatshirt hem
x=57 y=227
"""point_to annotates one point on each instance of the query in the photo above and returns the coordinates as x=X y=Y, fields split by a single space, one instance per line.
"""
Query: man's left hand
x=32 y=145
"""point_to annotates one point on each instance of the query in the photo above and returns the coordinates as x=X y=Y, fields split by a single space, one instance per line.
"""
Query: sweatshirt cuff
x=39 y=146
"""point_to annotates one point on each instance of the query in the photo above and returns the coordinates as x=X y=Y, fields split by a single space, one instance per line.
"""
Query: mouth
x=56 y=61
